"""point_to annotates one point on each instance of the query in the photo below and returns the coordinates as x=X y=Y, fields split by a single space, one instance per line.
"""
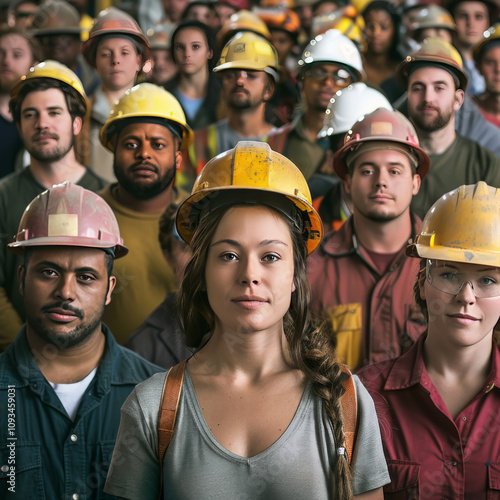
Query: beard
x=55 y=154
x=144 y=190
x=69 y=339
x=432 y=123
x=243 y=101
x=378 y=217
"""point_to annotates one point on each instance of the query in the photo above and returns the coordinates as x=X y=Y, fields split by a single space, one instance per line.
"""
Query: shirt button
x=454 y=464
x=4 y=468
x=74 y=438
x=75 y=496
x=464 y=418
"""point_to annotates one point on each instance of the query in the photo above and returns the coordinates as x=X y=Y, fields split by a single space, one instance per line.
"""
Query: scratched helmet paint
x=68 y=215
x=385 y=126
x=462 y=226
x=251 y=173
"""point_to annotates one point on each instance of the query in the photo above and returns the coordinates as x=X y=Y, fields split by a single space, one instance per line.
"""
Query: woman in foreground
x=438 y=403
x=259 y=413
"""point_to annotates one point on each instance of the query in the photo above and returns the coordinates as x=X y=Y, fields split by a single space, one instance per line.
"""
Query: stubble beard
x=68 y=339
x=432 y=124
x=53 y=155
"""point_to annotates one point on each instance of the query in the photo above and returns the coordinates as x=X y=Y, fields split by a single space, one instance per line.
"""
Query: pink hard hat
x=69 y=215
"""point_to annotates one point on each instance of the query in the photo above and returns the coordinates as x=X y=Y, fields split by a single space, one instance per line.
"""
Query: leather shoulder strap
x=168 y=408
x=349 y=405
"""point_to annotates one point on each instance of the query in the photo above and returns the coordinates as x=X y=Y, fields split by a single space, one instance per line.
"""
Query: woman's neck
x=457 y=362
x=194 y=85
x=253 y=355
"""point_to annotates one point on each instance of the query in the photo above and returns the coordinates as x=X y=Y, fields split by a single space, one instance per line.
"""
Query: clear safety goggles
x=447 y=279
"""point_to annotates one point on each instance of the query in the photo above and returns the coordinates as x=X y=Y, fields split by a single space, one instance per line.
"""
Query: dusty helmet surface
x=142 y=101
x=68 y=215
x=462 y=226
x=386 y=126
x=113 y=21
x=250 y=173
x=249 y=51
x=53 y=70
x=435 y=52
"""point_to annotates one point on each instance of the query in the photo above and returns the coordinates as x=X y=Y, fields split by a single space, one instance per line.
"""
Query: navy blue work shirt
x=43 y=453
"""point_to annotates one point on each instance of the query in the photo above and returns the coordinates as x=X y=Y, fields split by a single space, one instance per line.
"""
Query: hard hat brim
x=18 y=247
x=186 y=231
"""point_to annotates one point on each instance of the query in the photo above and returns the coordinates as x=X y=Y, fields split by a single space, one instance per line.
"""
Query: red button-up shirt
x=430 y=455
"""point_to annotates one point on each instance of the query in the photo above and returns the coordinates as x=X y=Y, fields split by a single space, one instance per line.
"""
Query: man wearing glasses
x=328 y=64
x=248 y=68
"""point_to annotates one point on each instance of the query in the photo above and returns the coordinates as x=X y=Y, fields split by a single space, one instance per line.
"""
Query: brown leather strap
x=168 y=411
x=348 y=402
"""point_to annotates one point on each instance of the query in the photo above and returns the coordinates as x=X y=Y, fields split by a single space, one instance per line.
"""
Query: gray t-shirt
x=298 y=465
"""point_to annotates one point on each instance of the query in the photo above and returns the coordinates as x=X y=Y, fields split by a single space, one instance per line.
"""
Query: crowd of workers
x=279 y=193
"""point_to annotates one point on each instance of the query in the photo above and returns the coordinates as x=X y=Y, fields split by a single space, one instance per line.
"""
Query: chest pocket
x=494 y=481
x=404 y=481
x=346 y=322
x=102 y=468
x=21 y=470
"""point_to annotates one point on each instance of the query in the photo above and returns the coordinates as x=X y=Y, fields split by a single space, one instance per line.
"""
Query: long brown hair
x=311 y=346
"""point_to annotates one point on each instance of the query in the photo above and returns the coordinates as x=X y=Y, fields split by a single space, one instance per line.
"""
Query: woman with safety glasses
x=438 y=404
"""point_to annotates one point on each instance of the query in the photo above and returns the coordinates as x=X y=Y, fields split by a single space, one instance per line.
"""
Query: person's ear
x=21 y=271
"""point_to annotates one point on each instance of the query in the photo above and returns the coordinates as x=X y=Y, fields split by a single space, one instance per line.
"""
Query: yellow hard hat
x=243 y=20
x=434 y=51
x=462 y=226
x=489 y=36
x=360 y=5
x=55 y=71
x=283 y=4
x=145 y=100
x=250 y=173
x=249 y=51
x=346 y=20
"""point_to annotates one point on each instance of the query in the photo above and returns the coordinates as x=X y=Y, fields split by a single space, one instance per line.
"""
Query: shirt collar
x=115 y=368
x=409 y=369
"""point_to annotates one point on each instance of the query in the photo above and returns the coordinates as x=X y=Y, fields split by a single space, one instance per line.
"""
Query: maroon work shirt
x=373 y=314
x=430 y=455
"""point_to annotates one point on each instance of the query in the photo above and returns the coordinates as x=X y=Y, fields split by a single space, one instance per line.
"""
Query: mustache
x=240 y=88
x=65 y=307
x=44 y=135
x=141 y=163
x=426 y=106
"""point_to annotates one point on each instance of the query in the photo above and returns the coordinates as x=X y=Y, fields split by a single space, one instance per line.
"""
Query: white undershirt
x=71 y=394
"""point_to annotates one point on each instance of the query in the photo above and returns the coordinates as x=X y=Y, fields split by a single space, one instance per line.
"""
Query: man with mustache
x=436 y=84
x=48 y=106
x=360 y=277
x=146 y=132
x=248 y=68
x=64 y=378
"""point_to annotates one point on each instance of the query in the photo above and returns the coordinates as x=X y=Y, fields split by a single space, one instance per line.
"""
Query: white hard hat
x=349 y=105
x=335 y=48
